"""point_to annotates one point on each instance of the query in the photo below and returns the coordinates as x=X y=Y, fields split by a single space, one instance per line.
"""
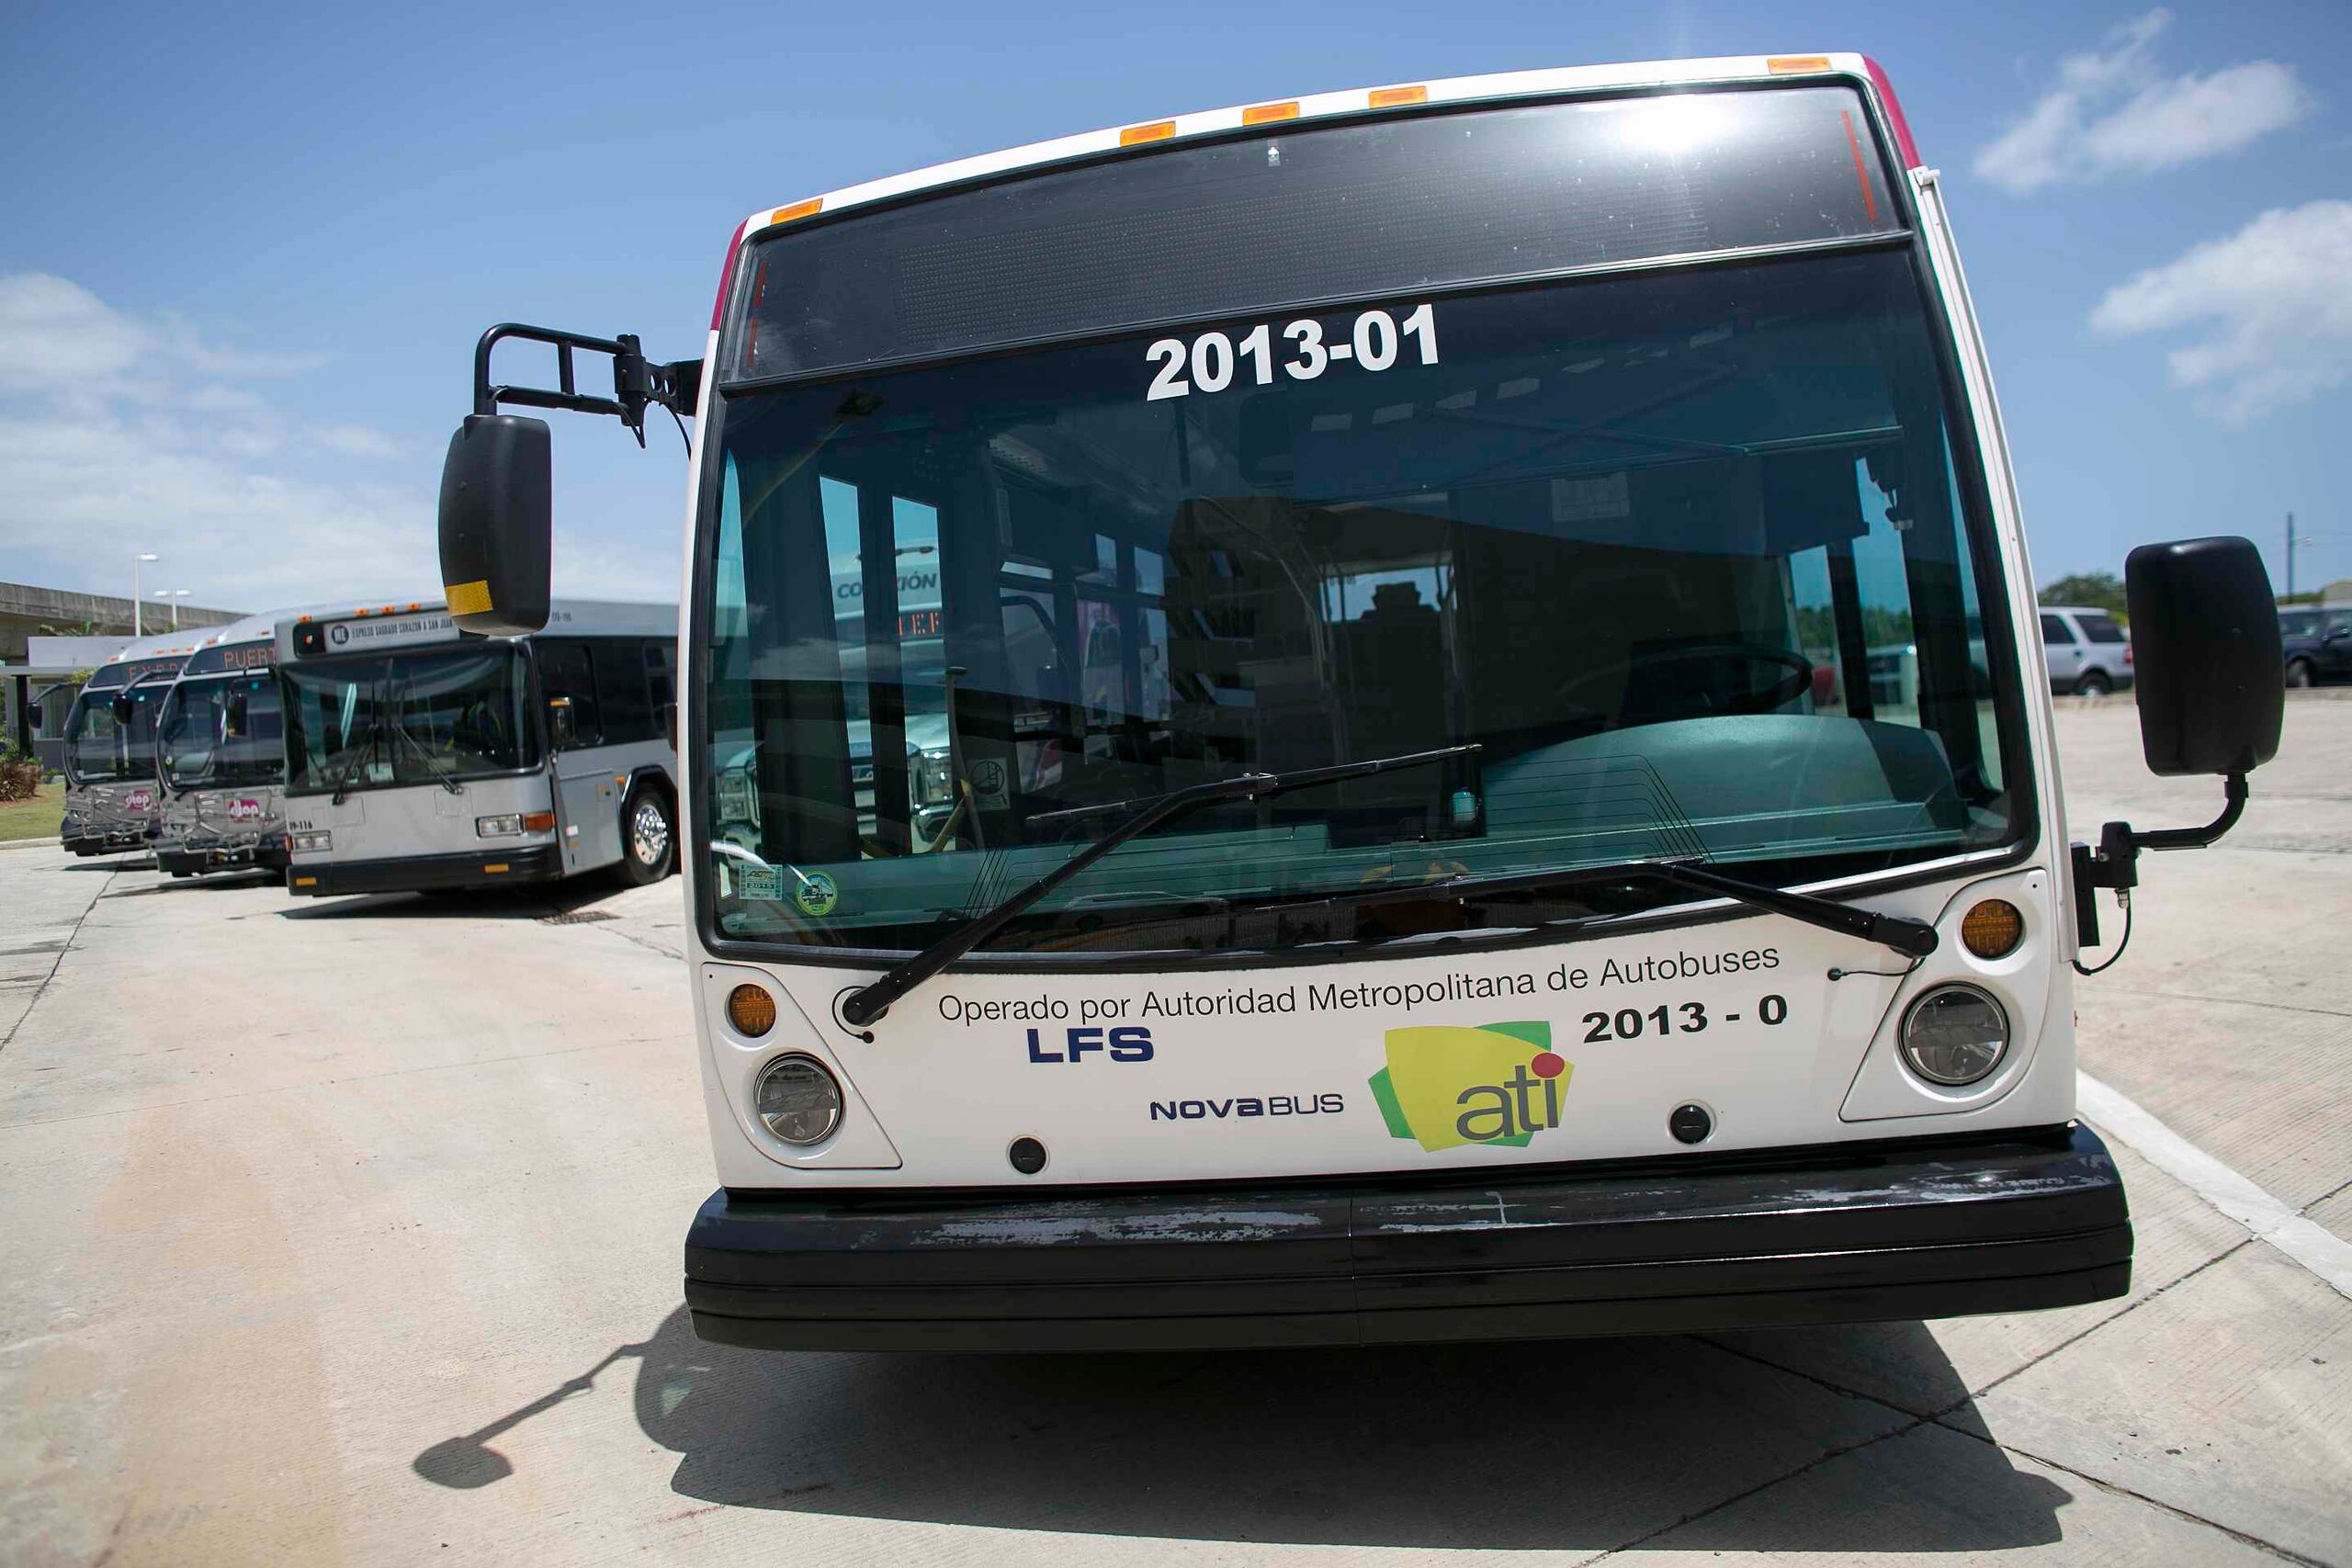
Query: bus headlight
x=797 y=1099
x=1954 y=1035
x=304 y=842
x=500 y=827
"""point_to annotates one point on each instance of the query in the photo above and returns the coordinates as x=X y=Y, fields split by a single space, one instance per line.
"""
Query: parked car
x=2316 y=643
x=2089 y=654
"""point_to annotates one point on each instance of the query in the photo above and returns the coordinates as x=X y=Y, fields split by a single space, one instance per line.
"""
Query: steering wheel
x=1766 y=699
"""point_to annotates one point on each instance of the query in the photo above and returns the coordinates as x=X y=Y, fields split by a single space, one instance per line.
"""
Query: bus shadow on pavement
x=530 y=903
x=1577 y=1444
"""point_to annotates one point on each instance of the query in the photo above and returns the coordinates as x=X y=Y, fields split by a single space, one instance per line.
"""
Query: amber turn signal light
x=1992 y=928
x=751 y=1010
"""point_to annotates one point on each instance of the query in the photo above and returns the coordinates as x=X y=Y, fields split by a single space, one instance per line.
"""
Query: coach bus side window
x=564 y=674
x=625 y=701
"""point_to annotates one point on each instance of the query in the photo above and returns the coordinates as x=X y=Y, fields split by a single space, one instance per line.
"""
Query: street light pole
x=174 y=595
x=135 y=601
x=2292 y=543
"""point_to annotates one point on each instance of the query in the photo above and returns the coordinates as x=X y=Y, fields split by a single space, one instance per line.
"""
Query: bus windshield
x=1684 y=554
x=225 y=732
x=103 y=746
x=405 y=719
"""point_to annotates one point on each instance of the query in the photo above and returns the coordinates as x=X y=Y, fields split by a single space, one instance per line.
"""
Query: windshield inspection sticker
x=759 y=882
x=817 y=894
x=1445 y=1085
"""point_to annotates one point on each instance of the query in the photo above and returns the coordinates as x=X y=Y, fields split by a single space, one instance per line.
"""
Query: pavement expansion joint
x=1839 y=1451
x=2231 y=1001
x=2073 y=1339
x=2113 y=1489
x=2305 y=1242
x=55 y=964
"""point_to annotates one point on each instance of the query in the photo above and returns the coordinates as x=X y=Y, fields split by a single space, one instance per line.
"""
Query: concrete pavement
x=378 y=1263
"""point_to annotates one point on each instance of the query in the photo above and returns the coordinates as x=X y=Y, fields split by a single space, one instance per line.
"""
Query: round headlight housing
x=797 y=1099
x=1954 y=1036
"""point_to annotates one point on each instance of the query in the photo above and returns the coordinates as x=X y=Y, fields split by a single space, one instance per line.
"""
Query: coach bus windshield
x=224 y=732
x=1688 y=555
x=105 y=744
x=411 y=719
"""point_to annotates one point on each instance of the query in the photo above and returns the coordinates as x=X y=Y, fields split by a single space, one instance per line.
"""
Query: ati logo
x=1446 y=1085
x=243 y=810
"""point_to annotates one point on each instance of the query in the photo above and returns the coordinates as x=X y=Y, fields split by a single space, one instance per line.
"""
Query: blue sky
x=247 y=250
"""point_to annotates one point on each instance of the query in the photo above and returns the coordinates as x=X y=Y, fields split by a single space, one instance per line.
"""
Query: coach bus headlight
x=498 y=827
x=798 y=1099
x=320 y=840
x=1955 y=1035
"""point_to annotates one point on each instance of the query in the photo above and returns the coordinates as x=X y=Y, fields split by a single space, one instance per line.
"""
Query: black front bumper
x=419 y=874
x=194 y=860
x=1841 y=1234
x=122 y=841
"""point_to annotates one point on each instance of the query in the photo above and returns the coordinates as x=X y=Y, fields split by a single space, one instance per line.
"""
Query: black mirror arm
x=637 y=381
x=2116 y=863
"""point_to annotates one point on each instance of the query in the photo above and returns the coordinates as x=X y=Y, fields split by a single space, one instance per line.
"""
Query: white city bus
x=422 y=758
x=113 y=804
x=1426 y=857
x=220 y=756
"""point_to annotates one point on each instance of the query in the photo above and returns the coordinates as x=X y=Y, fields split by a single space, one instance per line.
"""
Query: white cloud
x=2279 y=293
x=120 y=434
x=355 y=441
x=2112 y=112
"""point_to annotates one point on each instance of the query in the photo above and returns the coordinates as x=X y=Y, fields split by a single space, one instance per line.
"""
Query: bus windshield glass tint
x=1354 y=209
x=202 y=743
x=407 y=719
x=104 y=746
x=1684 y=555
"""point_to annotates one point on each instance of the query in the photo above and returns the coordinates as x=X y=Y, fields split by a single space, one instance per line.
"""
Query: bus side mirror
x=2205 y=643
x=32 y=715
x=121 y=708
x=562 y=726
x=670 y=722
x=496 y=521
x=234 y=715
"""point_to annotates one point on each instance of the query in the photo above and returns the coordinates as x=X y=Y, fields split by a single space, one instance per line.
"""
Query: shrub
x=19 y=775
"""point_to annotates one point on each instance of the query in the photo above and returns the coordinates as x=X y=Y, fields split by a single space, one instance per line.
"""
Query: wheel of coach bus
x=648 y=837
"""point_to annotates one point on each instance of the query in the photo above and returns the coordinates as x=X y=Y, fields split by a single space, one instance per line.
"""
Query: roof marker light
x=1157 y=131
x=1398 y=97
x=1262 y=114
x=798 y=209
x=1796 y=65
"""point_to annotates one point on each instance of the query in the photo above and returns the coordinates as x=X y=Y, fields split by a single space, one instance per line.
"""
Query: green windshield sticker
x=817 y=894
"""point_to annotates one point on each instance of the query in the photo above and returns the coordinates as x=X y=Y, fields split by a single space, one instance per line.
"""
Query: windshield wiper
x=1910 y=938
x=869 y=1002
x=366 y=748
x=440 y=775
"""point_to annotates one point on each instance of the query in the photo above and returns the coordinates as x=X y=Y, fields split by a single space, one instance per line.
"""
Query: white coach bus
x=1425 y=857
x=422 y=758
x=113 y=803
x=220 y=756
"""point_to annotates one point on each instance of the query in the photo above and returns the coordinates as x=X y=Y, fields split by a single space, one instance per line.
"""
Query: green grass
x=34 y=819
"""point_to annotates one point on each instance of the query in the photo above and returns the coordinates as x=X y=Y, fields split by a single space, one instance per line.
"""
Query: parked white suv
x=2089 y=654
